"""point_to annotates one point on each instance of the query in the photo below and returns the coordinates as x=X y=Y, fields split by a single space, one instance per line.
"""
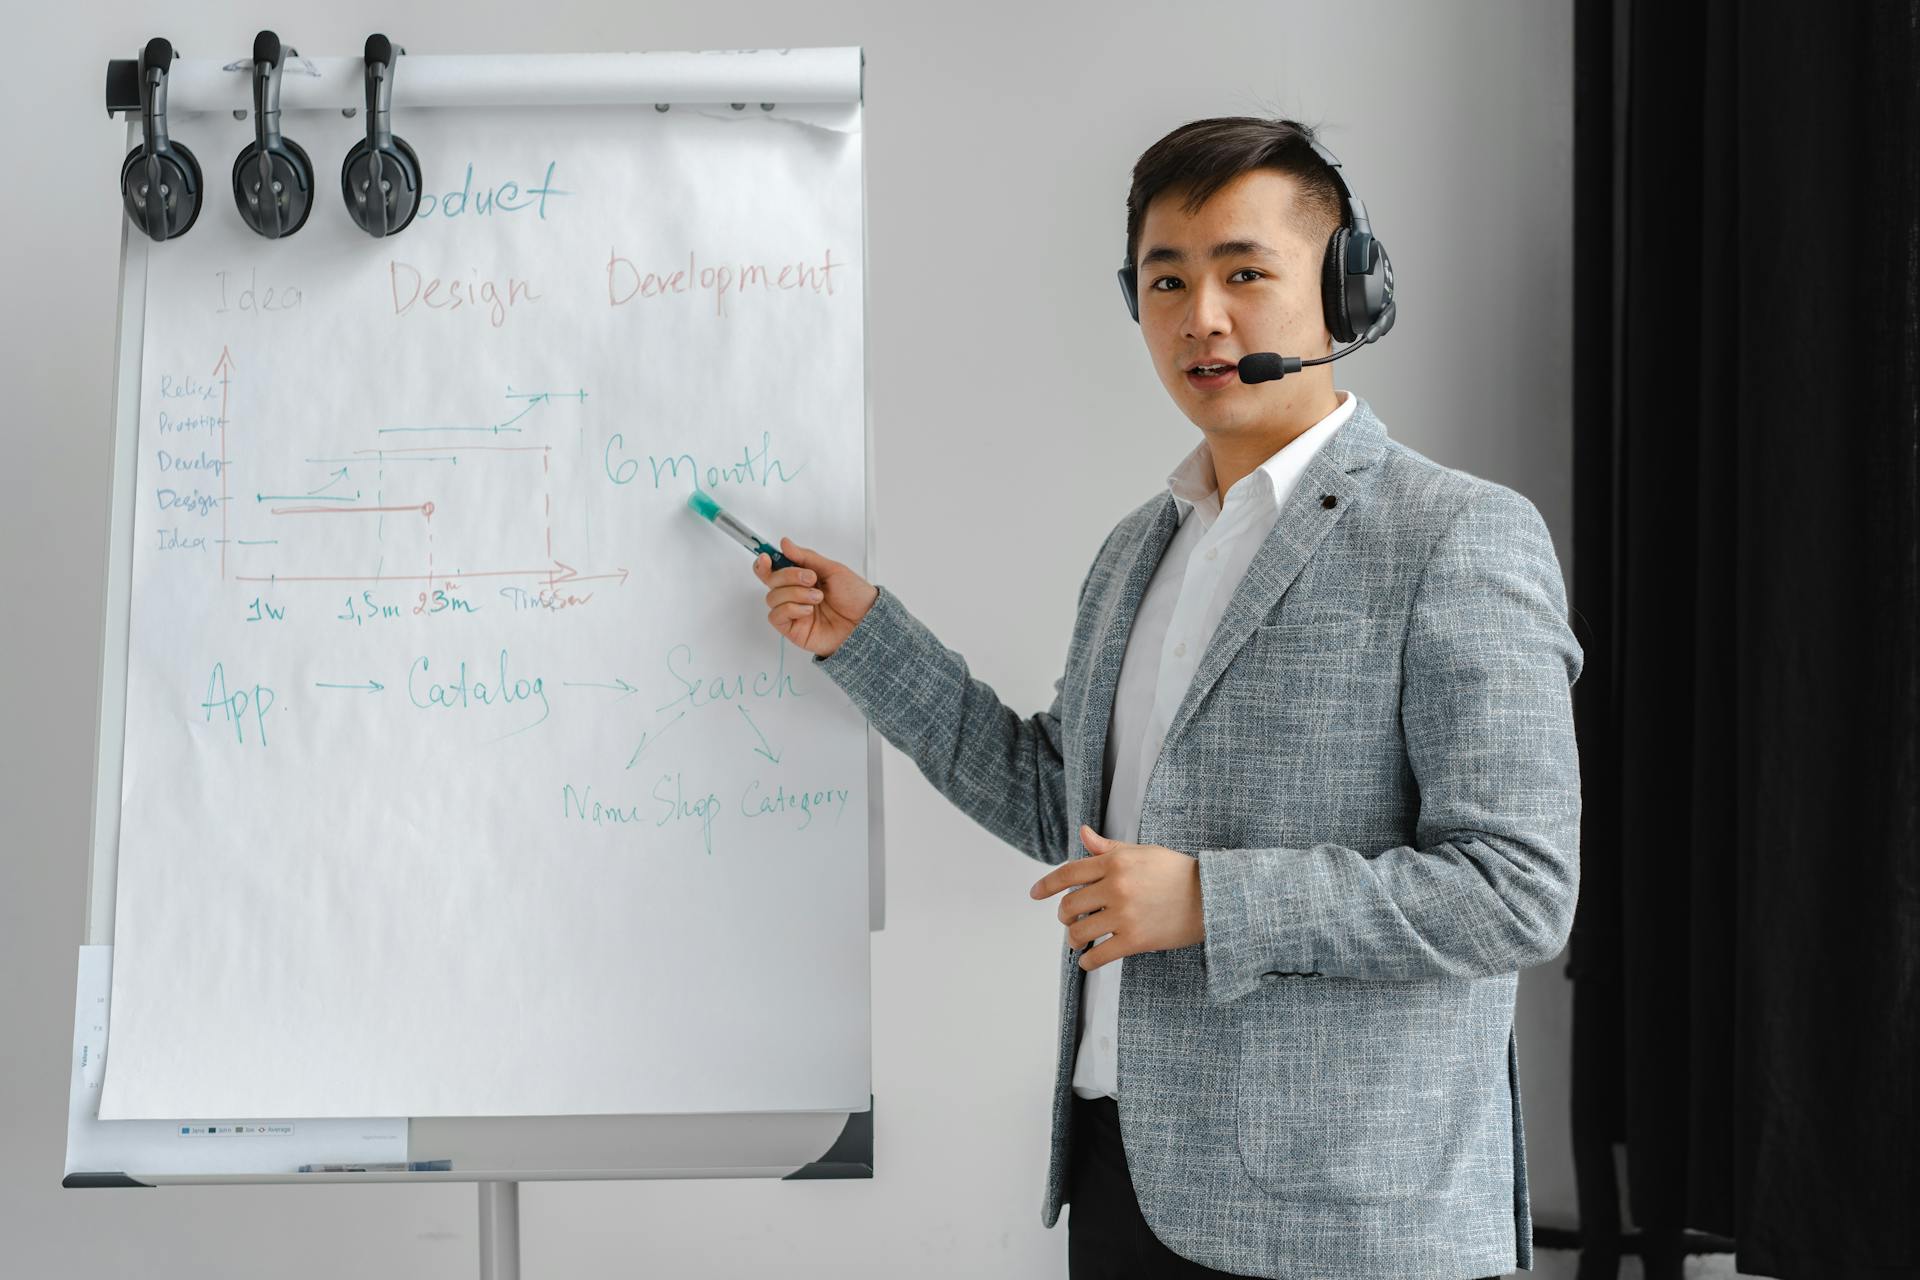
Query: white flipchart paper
x=194 y=1145
x=464 y=774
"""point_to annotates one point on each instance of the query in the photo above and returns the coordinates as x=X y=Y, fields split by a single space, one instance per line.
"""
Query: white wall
x=1000 y=141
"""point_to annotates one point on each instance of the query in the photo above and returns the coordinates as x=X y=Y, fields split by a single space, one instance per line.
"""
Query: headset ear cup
x=195 y=185
x=353 y=155
x=295 y=172
x=128 y=197
x=180 y=170
x=1367 y=291
x=413 y=183
x=303 y=175
x=240 y=163
x=1387 y=306
x=1333 y=287
x=406 y=184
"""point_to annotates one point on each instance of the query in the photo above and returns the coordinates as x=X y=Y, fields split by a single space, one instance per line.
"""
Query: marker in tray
x=388 y=1166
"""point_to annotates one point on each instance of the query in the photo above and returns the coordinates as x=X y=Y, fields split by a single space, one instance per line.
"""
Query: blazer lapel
x=1141 y=554
x=1304 y=521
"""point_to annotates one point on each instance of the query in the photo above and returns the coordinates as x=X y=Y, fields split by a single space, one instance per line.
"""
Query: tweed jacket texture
x=1375 y=768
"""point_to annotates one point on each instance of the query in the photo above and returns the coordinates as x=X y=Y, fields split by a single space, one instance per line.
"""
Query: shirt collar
x=1194 y=483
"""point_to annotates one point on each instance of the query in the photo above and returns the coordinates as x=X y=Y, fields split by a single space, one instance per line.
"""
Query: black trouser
x=1107 y=1237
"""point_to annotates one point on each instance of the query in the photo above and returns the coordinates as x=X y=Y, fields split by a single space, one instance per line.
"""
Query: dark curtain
x=1746 y=955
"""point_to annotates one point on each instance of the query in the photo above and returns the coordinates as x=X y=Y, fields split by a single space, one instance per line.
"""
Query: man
x=1333 y=677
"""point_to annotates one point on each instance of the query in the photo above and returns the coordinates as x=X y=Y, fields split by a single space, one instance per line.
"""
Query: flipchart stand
x=495 y=1152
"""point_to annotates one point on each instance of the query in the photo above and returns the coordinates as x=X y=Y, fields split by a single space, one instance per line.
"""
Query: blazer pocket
x=1352 y=1092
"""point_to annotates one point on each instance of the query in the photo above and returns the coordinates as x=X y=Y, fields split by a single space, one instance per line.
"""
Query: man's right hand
x=816 y=604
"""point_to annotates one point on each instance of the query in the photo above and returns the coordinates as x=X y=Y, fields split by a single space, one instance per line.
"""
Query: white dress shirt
x=1189 y=590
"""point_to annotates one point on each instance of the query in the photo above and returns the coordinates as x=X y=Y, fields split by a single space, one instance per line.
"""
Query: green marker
x=708 y=509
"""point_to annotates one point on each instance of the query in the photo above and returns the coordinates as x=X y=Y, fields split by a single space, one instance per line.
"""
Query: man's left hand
x=1146 y=895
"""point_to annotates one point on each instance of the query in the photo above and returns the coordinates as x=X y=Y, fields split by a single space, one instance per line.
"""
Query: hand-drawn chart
x=437 y=696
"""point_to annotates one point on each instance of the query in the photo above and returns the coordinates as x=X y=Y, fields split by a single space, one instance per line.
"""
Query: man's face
x=1261 y=294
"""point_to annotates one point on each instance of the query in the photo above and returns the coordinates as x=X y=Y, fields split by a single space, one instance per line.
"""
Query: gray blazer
x=1375 y=767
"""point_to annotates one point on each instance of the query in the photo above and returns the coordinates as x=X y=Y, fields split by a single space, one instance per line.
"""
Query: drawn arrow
x=643 y=740
x=572 y=574
x=618 y=683
x=371 y=686
x=224 y=368
x=763 y=739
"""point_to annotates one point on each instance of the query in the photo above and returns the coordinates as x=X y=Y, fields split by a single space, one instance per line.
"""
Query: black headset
x=159 y=180
x=1356 y=278
x=272 y=177
x=381 y=175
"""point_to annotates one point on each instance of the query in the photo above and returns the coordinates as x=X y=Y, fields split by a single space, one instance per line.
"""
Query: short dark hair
x=1204 y=155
